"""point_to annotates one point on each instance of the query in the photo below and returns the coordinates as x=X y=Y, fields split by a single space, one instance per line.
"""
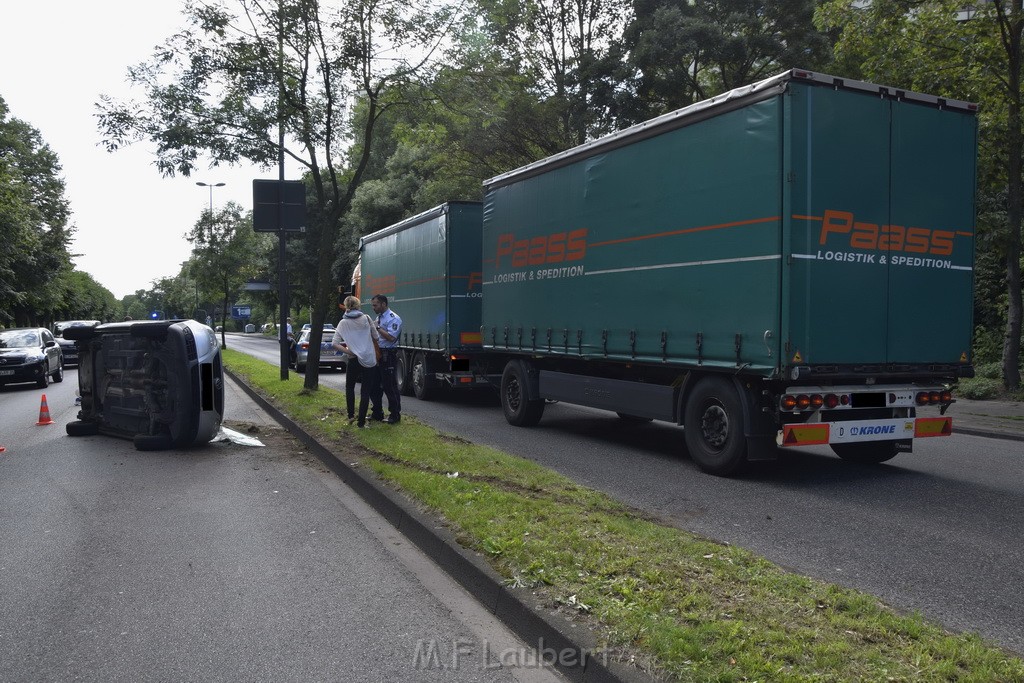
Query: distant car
x=250 y=328
x=69 y=347
x=30 y=354
x=267 y=327
x=329 y=358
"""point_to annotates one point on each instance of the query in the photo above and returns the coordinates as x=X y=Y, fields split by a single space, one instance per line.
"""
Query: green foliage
x=34 y=228
x=979 y=388
x=678 y=53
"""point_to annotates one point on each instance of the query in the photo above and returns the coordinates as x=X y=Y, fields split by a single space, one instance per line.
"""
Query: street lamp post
x=211 y=186
x=223 y=341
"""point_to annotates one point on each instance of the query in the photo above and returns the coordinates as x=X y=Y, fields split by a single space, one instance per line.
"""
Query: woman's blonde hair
x=352 y=303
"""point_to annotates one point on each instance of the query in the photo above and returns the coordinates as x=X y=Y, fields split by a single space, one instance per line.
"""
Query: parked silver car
x=30 y=354
x=329 y=358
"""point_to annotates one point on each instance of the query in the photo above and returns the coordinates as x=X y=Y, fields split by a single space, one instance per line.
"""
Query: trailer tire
x=402 y=378
x=714 y=427
x=424 y=387
x=866 y=453
x=519 y=410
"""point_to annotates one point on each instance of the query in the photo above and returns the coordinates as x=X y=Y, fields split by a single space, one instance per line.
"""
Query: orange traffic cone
x=44 y=413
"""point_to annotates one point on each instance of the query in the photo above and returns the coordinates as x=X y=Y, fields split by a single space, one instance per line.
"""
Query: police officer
x=389 y=327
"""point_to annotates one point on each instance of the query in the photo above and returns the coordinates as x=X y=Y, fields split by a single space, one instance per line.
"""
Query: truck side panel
x=636 y=253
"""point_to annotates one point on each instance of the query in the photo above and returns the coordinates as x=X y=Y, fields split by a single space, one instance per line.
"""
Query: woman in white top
x=354 y=336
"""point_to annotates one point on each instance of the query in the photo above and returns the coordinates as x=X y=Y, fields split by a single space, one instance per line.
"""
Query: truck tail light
x=788 y=402
x=925 y=398
x=817 y=400
x=803 y=401
x=831 y=401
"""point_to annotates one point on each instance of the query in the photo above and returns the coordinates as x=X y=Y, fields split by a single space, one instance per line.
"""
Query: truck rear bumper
x=856 y=431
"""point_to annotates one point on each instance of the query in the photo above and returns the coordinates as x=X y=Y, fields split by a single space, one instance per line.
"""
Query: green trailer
x=429 y=268
x=787 y=264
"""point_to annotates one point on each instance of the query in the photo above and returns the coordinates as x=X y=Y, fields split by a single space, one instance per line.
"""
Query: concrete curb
x=569 y=647
x=970 y=431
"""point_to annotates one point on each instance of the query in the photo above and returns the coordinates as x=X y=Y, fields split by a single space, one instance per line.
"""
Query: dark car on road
x=329 y=358
x=69 y=347
x=30 y=354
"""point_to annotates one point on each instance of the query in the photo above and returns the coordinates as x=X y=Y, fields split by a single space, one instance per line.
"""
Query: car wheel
x=58 y=374
x=82 y=428
x=44 y=381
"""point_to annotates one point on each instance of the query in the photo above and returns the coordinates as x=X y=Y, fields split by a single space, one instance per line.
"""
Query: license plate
x=327 y=350
x=6 y=373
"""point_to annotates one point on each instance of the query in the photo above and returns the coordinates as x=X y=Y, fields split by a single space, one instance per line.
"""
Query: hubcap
x=512 y=395
x=714 y=426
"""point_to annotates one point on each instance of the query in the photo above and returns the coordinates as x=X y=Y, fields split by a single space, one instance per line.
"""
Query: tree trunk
x=1011 y=343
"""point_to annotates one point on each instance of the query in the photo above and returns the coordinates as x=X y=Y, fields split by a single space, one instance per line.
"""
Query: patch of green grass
x=688 y=608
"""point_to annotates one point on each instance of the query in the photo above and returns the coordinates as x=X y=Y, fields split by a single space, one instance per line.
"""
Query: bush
x=992 y=370
x=979 y=388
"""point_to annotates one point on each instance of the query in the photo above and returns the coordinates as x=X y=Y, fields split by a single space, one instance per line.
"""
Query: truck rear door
x=880 y=245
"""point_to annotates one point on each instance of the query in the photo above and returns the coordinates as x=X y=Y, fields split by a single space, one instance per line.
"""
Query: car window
x=47 y=337
x=19 y=339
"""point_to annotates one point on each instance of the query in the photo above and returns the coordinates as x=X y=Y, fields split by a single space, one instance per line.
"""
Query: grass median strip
x=679 y=606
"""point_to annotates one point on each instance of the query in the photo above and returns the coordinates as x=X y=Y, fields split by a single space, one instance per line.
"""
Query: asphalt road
x=221 y=563
x=937 y=531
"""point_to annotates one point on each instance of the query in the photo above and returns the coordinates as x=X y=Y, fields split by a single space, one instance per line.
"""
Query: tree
x=226 y=253
x=955 y=49
x=34 y=224
x=559 y=48
x=676 y=54
x=222 y=86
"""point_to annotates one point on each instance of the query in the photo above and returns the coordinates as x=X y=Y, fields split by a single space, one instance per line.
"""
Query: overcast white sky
x=57 y=58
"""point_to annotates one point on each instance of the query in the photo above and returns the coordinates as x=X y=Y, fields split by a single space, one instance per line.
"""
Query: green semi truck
x=787 y=264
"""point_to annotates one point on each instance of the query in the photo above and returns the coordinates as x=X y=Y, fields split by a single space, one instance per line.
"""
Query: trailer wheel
x=714 y=429
x=519 y=410
x=402 y=378
x=866 y=453
x=424 y=387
